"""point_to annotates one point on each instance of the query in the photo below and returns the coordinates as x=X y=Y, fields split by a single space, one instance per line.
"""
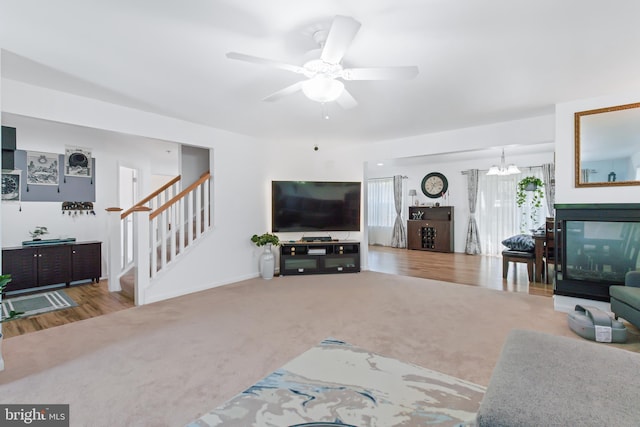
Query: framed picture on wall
x=11 y=185
x=42 y=168
x=77 y=161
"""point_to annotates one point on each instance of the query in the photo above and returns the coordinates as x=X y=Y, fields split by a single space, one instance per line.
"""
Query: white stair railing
x=153 y=201
x=174 y=227
x=164 y=232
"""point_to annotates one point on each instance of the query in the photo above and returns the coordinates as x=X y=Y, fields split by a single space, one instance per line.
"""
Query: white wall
x=566 y=191
x=144 y=154
x=294 y=162
x=227 y=255
x=194 y=162
x=529 y=131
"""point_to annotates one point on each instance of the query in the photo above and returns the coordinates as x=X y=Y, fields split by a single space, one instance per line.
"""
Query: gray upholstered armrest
x=632 y=278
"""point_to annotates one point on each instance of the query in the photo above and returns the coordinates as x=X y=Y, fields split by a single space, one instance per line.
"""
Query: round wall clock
x=434 y=185
x=10 y=187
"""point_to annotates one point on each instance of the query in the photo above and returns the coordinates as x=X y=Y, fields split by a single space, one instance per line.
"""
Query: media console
x=319 y=257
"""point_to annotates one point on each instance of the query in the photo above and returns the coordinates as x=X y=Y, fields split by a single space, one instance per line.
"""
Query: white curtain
x=382 y=211
x=498 y=215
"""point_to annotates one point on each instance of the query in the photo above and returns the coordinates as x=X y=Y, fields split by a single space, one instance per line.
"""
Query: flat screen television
x=315 y=206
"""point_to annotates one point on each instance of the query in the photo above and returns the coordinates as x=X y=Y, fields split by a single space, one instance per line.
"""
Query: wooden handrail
x=180 y=195
x=150 y=196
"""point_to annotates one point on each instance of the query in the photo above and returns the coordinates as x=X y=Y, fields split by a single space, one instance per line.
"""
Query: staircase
x=154 y=233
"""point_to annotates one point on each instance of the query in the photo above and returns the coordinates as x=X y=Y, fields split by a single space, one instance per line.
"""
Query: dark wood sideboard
x=430 y=228
x=32 y=267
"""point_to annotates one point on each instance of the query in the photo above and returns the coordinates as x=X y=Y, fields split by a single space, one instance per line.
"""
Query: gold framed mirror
x=607 y=146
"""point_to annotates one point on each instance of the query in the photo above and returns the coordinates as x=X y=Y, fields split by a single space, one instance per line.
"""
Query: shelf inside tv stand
x=298 y=258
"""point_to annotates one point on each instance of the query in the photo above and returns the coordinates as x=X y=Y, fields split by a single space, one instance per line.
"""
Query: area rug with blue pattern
x=338 y=384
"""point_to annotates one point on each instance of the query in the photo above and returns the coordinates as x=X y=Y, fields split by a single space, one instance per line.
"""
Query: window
x=498 y=215
x=381 y=211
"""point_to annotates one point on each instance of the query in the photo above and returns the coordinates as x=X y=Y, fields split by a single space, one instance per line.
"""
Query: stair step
x=128 y=283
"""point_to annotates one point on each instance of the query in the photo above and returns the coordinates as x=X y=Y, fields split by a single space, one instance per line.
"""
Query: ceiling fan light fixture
x=322 y=89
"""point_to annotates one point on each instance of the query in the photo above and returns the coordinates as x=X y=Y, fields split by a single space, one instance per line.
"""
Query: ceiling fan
x=325 y=74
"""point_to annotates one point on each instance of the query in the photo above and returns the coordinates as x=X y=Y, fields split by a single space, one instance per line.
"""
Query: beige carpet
x=170 y=362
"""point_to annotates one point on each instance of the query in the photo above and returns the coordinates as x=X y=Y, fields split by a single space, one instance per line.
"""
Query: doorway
x=127 y=197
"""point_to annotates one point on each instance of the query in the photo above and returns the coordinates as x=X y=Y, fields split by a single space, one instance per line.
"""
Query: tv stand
x=325 y=257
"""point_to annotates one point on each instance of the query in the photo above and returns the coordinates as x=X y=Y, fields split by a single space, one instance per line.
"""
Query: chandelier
x=503 y=169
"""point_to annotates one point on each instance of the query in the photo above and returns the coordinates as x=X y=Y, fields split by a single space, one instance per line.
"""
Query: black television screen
x=315 y=206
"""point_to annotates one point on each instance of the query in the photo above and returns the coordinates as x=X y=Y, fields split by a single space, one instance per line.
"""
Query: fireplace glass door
x=600 y=251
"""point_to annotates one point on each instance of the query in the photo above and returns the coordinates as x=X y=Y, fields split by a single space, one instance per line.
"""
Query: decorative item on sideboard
x=417 y=215
x=413 y=193
x=38 y=232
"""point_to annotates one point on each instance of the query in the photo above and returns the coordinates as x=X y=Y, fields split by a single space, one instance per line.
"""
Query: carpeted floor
x=171 y=362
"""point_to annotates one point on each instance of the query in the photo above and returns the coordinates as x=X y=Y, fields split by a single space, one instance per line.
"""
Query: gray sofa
x=625 y=300
x=547 y=380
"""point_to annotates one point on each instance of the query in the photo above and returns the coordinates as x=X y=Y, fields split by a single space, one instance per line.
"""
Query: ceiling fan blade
x=289 y=90
x=380 y=73
x=264 y=61
x=343 y=30
x=346 y=100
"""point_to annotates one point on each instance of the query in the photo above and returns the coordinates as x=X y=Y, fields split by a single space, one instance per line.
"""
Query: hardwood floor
x=475 y=270
x=94 y=299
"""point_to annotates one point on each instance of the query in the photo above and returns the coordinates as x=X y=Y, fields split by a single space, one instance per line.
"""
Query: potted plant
x=267 y=259
x=530 y=184
x=4 y=281
x=265 y=239
x=38 y=232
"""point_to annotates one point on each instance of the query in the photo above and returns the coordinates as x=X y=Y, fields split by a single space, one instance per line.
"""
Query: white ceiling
x=480 y=61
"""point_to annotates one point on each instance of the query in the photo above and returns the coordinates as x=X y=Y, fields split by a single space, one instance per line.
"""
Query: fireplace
x=598 y=245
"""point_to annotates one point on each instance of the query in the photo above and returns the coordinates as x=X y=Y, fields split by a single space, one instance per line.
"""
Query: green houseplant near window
x=530 y=184
x=267 y=259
